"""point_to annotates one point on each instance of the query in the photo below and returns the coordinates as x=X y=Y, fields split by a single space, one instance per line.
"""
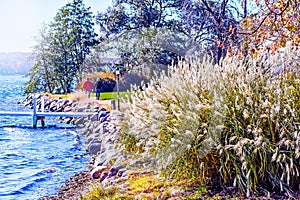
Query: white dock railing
x=40 y=115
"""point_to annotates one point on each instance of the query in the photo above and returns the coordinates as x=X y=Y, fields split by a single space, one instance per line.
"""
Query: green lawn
x=110 y=95
x=103 y=95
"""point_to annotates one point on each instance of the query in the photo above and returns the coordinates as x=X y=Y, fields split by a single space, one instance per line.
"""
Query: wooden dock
x=46 y=114
x=41 y=115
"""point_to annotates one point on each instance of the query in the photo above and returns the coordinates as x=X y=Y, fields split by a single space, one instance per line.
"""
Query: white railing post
x=43 y=103
x=118 y=89
x=34 y=117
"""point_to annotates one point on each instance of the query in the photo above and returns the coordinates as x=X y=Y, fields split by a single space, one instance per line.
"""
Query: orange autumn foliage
x=276 y=24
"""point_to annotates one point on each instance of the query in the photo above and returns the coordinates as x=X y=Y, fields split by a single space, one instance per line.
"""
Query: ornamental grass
x=233 y=124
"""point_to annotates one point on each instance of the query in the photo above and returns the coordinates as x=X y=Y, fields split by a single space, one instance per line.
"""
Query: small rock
x=112 y=172
x=103 y=176
x=96 y=172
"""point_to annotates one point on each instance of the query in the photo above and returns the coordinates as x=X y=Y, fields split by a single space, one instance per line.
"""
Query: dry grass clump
x=79 y=96
x=99 y=193
x=168 y=122
x=259 y=145
x=236 y=123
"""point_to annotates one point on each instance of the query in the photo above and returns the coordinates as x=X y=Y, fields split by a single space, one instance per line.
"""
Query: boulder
x=103 y=176
x=52 y=106
x=67 y=109
x=94 y=117
x=100 y=129
x=97 y=171
x=102 y=114
x=113 y=171
x=94 y=148
x=78 y=121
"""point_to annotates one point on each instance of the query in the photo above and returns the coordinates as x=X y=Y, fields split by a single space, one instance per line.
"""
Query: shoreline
x=74 y=187
x=98 y=135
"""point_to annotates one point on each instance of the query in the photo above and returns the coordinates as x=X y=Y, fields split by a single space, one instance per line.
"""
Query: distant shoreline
x=15 y=63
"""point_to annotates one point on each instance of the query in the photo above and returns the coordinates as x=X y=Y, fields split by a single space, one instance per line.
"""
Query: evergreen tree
x=69 y=40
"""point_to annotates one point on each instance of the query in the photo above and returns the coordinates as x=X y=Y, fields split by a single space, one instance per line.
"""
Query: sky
x=21 y=20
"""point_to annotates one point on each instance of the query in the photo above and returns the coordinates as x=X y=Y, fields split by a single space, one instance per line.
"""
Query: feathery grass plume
x=262 y=112
x=236 y=123
x=170 y=123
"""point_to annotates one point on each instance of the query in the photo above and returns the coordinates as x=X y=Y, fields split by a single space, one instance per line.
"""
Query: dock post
x=43 y=103
x=34 y=117
x=113 y=104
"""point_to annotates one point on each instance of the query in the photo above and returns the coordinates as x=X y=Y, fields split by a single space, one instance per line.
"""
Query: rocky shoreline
x=99 y=134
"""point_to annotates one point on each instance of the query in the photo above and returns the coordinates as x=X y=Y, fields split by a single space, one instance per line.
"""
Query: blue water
x=34 y=162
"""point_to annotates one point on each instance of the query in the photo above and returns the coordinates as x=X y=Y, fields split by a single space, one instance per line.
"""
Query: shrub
x=236 y=123
x=128 y=79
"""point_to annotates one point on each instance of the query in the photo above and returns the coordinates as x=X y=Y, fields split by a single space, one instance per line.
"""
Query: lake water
x=34 y=162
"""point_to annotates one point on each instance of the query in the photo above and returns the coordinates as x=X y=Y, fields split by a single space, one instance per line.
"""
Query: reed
x=236 y=123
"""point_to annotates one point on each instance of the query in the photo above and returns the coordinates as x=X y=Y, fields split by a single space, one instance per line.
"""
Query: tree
x=160 y=31
x=142 y=31
x=211 y=25
x=273 y=25
x=41 y=76
x=63 y=49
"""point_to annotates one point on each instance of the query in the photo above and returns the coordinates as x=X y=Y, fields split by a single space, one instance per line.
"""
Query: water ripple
x=34 y=162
